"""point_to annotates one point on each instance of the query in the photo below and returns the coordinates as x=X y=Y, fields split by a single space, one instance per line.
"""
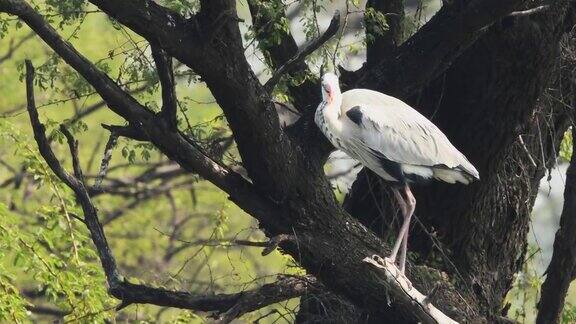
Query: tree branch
x=126 y=131
x=110 y=145
x=73 y=146
x=91 y=219
x=563 y=263
x=39 y=130
x=302 y=54
x=424 y=310
x=285 y=288
x=166 y=77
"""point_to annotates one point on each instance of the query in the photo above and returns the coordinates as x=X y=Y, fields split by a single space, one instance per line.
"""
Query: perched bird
x=393 y=140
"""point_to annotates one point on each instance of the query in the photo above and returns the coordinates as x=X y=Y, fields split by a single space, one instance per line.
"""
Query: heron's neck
x=333 y=106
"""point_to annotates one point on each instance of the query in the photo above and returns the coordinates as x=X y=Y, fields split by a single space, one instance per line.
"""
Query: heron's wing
x=399 y=140
x=401 y=134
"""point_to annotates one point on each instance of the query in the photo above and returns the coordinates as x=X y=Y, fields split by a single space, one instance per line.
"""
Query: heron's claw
x=399 y=275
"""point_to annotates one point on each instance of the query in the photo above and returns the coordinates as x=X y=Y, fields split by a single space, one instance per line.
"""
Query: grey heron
x=393 y=140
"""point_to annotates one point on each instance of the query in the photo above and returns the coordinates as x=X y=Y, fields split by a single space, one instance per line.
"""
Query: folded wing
x=388 y=126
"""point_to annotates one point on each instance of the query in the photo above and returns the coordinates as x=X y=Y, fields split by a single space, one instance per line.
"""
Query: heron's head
x=330 y=87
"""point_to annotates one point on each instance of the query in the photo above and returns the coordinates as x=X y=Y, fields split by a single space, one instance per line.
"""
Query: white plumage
x=392 y=139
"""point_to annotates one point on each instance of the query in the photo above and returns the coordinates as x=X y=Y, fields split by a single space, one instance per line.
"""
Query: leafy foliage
x=376 y=24
x=566 y=146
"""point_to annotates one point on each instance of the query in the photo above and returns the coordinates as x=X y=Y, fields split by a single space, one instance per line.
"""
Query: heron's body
x=392 y=139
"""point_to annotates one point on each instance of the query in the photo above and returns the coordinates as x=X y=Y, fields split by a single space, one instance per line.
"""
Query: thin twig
x=528 y=12
x=14 y=46
x=73 y=145
x=112 y=140
x=527 y=152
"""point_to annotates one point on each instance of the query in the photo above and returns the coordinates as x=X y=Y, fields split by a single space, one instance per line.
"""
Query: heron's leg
x=399 y=238
x=411 y=205
x=400 y=200
x=403 y=251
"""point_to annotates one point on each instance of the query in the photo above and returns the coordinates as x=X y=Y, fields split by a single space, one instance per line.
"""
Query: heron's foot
x=390 y=262
x=408 y=282
x=401 y=277
x=397 y=273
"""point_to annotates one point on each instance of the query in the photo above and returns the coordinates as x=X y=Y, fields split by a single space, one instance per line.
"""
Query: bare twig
x=99 y=105
x=528 y=12
x=269 y=246
x=73 y=145
x=307 y=50
x=112 y=140
x=14 y=46
x=527 y=152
